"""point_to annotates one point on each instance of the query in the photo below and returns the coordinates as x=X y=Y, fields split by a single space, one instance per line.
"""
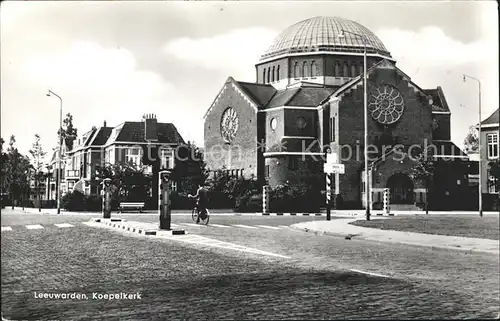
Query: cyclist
x=201 y=202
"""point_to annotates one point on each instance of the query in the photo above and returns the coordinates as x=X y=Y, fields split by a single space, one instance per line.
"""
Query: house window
x=273 y=74
x=278 y=73
x=296 y=70
x=313 y=69
x=305 y=72
x=264 y=75
x=166 y=159
x=353 y=70
x=133 y=156
x=266 y=173
x=492 y=140
x=269 y=74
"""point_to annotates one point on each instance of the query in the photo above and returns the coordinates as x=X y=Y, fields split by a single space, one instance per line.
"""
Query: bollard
x=328 y=196
x=164 y=200
x=265 y=199
x=387 y=195
x=106 y=198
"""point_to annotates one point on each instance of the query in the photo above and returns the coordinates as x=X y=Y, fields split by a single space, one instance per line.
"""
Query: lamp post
x=58 y=190
x=480 y=192
x=365 y=111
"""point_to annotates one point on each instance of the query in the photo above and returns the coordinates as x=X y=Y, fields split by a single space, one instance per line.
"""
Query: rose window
x=386 y=104
x=229 y=124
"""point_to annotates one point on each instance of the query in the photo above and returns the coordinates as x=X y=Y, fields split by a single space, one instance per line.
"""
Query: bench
x=131 y=205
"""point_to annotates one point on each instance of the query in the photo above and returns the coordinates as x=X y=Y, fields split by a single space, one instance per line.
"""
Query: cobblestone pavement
x=183 y=281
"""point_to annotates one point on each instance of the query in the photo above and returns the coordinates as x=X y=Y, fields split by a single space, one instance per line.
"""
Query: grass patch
x=486 y=227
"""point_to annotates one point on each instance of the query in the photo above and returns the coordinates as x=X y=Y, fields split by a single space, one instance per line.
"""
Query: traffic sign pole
x=328 y=196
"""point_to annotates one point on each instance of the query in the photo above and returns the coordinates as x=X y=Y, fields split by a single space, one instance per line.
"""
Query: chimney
x=150 y=128
x=104 y=124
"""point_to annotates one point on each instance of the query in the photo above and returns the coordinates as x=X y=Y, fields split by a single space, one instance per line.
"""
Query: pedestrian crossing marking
x=219 y=225
x=34 y=227
x=6 y=228
x=282 y=226
x=205 y=241
x=269 y=227
x=244 y=226
x=63 y=225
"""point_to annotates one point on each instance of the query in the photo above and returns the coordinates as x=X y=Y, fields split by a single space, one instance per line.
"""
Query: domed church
x=307 y=101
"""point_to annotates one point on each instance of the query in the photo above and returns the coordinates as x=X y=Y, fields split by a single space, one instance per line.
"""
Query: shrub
x=74 y=201
x=295 y=198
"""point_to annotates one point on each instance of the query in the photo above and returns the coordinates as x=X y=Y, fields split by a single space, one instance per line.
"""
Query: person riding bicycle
x=201 y=201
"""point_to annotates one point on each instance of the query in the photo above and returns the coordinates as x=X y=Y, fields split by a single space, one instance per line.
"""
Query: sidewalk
x=342 y=228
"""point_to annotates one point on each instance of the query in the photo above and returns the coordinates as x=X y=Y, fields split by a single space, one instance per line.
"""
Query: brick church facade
x=308 y=101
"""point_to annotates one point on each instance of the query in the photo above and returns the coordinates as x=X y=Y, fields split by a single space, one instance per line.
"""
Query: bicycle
x=204 y=217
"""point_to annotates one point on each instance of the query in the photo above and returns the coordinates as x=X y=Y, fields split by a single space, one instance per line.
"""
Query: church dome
x=321 y=34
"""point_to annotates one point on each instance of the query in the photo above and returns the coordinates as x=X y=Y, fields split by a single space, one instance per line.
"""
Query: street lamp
x=58 y=190
x=480 y=192
x=365 y=105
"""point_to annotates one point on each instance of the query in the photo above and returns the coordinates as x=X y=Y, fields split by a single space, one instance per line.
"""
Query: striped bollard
x=328 y=196
x=387 y=209
x=265 y=199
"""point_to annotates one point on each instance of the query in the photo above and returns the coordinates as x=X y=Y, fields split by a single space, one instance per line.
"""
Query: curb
x=115 y=223
x=367 y=238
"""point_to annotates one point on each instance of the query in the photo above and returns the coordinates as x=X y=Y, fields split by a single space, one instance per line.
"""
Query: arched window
x=336 y=72
x=264 y=76
x=305 y=72
x=269 y=74
x=354 y=72
x=296 y=72
x=272 y=79
x=278 y=73
x=313 y=69
x=346 y=70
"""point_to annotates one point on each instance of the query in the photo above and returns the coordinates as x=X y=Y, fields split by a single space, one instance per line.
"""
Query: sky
x=115 y=61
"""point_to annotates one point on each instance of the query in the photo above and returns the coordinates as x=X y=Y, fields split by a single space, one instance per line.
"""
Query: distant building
x=139 y=143
x=489 y=151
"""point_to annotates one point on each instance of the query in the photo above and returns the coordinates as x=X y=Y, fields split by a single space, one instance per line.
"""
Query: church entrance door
x=401 y=187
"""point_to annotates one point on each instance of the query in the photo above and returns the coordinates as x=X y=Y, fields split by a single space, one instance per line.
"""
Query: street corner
x=335 y=228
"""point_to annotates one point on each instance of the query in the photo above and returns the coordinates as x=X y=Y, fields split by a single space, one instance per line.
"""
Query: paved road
x=321 y=277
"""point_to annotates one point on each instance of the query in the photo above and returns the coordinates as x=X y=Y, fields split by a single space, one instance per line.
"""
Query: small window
x=313 y=69
x=336 y=72
x=272 y=75
x=296 y=70
x=274 y=123
x=278 y=73
x=269 y=74
x=266 y=174
x=305 y=71
x=264 y=75
x=293 y=163
x=346 y=70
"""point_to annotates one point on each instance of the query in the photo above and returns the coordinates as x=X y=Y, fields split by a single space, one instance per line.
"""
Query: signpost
x=329 y=168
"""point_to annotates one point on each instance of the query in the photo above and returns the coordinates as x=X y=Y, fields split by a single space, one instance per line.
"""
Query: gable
x=231 y=83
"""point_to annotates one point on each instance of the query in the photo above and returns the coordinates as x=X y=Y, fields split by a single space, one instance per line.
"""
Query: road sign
x=330 y=168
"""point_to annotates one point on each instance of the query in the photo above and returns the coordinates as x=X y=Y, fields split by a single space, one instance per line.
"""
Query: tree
x=128 y=182
x=37 y=155
x=69 y=132
x=423 y=171
x=17 y=169
x=471 y=141
x=190 y=170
